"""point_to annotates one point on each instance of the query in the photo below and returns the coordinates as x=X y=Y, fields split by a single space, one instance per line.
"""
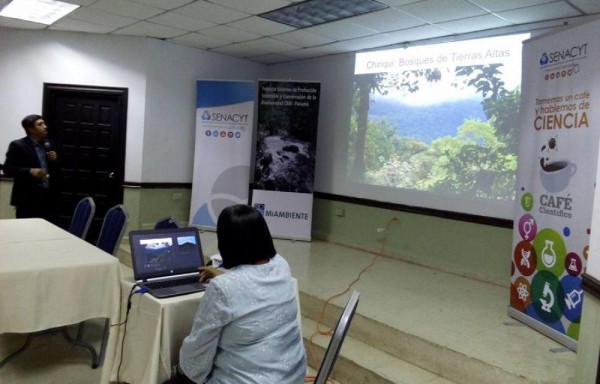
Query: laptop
x=166 y=261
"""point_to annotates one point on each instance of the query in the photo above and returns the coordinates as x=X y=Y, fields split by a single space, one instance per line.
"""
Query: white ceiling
x=232 y=27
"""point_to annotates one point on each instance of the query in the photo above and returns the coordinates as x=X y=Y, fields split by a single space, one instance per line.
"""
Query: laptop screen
x=165 y=252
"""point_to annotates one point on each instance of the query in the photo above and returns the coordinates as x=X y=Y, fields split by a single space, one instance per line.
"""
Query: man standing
x=27 y=162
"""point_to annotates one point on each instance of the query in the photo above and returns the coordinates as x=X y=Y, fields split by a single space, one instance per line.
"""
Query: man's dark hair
x=243 y=236
x=29 y=122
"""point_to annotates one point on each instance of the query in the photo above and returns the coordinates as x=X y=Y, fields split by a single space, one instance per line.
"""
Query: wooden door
x=87 y=126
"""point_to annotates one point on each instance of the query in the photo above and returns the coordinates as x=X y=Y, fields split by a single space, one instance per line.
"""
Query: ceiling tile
x=589 y=6
x=79 y=2
x=472 y=24
x=367 y=42
x=306 y=53
x=272 y=58
x=211 y=12
x=418 y=33
x=329 y=49
x=261 y=26
x=341 y=30
x=239 y=50
x=68 y=24
x=144 y=28
x=177 y=20
x=231 y=27
x=164 y=4
x=390 y=19
x=230 y=34
x=497 y=6
x=395 y=3
x=253 y=7
x=437 y=11
x=126 y=8
x=97 y=16
x=539 y=12
x=198 y=41
x=269 y=45
x=303 y=38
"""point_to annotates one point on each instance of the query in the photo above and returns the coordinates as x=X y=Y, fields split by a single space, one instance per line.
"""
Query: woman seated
x=246 y=329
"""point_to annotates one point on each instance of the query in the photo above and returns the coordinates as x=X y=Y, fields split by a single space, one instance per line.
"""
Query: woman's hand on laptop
x=207 y=273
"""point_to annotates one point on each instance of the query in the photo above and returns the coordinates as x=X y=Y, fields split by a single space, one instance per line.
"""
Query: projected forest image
x=464 y=145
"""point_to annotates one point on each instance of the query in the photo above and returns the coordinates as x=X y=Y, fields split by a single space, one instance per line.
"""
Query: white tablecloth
x=155 y=331
x=50 y=278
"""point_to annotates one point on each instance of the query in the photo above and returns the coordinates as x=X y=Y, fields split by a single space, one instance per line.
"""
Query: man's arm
x=17 y=164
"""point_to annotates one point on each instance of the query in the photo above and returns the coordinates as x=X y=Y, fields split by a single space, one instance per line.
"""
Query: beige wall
x=589 y=341
x=468 y=249
x=6 y=210
x=147 y=205
x=473 y=250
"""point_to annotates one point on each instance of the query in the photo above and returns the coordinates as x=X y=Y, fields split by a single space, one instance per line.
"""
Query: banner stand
x=224 y=118
x=556 y=181
x=543 y=329
x=284 y=166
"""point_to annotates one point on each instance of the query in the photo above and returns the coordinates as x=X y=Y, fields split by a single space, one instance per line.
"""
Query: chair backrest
x=335 y=344
x=166 y=222
x=113 y=228
x=82 y=217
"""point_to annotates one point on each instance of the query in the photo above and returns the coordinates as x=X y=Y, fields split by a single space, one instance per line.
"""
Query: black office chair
x=113 y=227
x=166 y=222
x=82 y=217
x=335 y=344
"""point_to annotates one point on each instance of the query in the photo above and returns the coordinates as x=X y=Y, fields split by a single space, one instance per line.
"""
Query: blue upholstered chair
x=166 y=222
x=113 y=228
x=82 y=217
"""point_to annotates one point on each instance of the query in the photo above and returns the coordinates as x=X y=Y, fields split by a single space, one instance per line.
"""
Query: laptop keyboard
x=171 y=282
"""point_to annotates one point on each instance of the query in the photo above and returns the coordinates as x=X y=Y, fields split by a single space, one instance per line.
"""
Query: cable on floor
x=309 y=352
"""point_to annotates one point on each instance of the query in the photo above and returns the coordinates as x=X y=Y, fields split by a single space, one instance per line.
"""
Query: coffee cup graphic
x=555 y=176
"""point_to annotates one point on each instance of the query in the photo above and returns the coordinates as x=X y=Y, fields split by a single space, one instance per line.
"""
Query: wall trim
x=131 y=184
x=591 y=285
x=493 y=221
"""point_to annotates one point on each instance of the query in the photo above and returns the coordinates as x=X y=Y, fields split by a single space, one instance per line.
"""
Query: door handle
x=111 y=175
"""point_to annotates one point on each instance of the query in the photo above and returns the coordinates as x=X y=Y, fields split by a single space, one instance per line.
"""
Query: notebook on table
x=166 y=261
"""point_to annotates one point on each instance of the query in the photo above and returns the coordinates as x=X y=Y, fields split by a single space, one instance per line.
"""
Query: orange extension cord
x=309 y=352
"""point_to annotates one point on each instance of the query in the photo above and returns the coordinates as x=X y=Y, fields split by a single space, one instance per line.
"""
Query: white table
x=50 y=278
x=155 y=330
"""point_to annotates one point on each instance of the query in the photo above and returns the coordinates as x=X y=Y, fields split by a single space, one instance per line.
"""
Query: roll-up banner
x=222 y=157
x=287 y=120
x=556 y=180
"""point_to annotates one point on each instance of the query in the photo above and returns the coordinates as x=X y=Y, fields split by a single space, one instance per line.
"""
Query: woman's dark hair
x=243 y=236
x=29 y=122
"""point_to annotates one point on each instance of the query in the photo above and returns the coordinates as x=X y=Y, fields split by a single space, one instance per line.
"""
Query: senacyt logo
x=575 y=52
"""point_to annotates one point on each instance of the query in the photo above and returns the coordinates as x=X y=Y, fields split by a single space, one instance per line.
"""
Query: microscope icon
x=547 y=305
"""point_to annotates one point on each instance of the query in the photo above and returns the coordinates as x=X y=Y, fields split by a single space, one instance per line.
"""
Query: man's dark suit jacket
x=20 y=158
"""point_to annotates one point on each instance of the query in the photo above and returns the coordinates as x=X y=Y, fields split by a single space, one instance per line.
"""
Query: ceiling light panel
x=37 y=11
x=315 y=12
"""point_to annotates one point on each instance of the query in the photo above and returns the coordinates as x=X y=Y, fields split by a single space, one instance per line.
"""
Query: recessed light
x=37 y=11
x=314 y=12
